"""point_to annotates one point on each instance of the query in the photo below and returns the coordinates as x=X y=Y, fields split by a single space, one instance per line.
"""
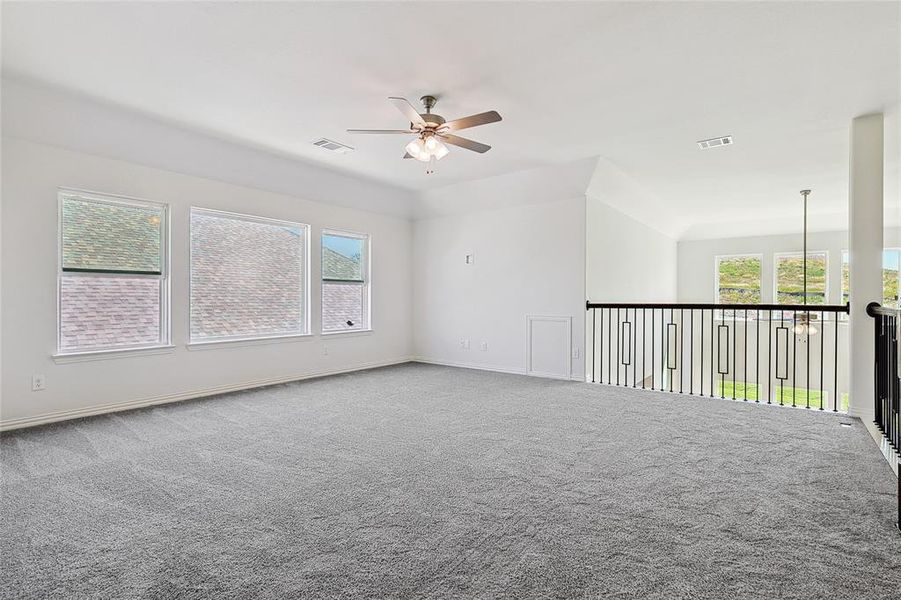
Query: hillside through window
x=738 y=279
x=790 y=278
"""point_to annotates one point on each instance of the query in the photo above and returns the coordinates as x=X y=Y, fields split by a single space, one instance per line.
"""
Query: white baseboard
x=89 y=411
x=480 y=367
x=888 y=453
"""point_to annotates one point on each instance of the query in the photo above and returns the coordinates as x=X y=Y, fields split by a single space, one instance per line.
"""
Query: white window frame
x=163 y=277
x=798 y=254
x=305 y=279
x=847 y=253
x=716 y=272
x=367 y=281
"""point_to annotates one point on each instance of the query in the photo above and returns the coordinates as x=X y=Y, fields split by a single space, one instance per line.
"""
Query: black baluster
x=701 y=336
x=835 y=368
x=681 y=354
x=734 y=354
x=794 y=358
x=782 y=380
x=609 y=346
x=757 y=387
x=807 y=342
x=691 y=355
x=594 y=357
x=644 y=338
x=822 y=358
x=634 y=348
x=712 y=376
x=745 y=366
x=601 y=346
x=769 y=358
x=619 y=326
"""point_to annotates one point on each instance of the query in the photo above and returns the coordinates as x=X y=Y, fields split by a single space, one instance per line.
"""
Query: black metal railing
x=888 y=383
x=784 y=354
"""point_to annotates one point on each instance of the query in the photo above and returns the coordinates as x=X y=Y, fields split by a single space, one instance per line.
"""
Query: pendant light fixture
x=804 y=323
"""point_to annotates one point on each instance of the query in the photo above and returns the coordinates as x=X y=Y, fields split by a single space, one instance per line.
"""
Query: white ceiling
x=634 y=83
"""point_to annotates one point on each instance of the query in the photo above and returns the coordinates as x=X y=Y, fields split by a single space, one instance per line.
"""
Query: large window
x=248 y=277
x=738 y=279
x=789 y=273
x=891 y=265
x=113 y=286
x=345 y=281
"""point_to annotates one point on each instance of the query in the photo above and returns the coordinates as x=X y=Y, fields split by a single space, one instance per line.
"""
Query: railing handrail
x=830 y=308
x=874 y=309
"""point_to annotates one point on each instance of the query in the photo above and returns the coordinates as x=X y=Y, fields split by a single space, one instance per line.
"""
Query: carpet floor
x=421 y=481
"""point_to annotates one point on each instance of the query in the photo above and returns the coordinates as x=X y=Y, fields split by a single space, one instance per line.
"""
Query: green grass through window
x=786 y=394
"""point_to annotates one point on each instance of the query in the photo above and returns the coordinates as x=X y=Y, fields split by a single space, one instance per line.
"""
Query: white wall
x=31 y=174
x=529 y=260
x=627 y=260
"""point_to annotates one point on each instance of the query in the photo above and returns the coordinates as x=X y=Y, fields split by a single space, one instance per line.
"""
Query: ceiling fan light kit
x=433 y=132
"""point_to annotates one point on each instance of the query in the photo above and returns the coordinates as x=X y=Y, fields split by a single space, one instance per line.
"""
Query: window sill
x=347 y=333
x=88 y=355
x=254 y=341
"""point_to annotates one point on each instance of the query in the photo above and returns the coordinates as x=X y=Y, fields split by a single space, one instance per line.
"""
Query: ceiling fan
x=433 y=132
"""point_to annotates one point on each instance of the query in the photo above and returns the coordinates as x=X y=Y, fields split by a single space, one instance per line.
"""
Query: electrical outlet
x=484 y=346
x=325 y=351
x=470 y=258
x=576 y=353
x=464 y=343
x=38 y=383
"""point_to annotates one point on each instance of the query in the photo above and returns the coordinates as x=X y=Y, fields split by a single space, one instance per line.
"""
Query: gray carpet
x=420 y=481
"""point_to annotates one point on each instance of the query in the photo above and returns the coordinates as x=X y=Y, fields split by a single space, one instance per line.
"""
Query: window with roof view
x=113 y=277
x=345 y=281
x=738 y=279
x=790 y=278
x=248 y=277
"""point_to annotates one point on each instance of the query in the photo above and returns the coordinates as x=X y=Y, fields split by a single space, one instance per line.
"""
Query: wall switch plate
x=38 y=383
x=470 y=258
x=464 y=343
x=484 y=346
x=325 y=350
x=576 y=353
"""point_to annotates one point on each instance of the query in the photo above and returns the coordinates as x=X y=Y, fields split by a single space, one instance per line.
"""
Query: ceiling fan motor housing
x=432 y=121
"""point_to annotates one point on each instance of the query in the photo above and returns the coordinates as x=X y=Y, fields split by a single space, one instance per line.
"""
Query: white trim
x=77 y=413
x=478 y=367
x=110 y=353
x=346 y=332
x=491 y=368
x=247 y=341
x=568 y=344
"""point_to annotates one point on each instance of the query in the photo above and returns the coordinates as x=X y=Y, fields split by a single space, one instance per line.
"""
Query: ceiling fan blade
x=380 y=131
x=404 y=106
x=456 y=140
x=484 y=118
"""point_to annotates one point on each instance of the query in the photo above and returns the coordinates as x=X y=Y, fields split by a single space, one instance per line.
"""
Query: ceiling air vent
x=725 y=140
x=332 y=146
